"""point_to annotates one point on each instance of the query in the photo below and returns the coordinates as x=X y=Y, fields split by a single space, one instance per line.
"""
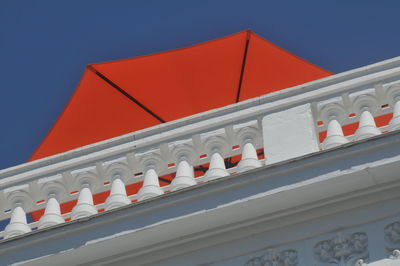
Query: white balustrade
x=217 y=167
x=217 y=147
x=367 y=127
x=363 y=107
x=249 y=134
x=284 y=124
x=54 y=190
x=335 y=136
x=52 y=214
x=115 y=174
x=151 y=186
x=117 y=197
x=184 y=176
x=18 y=224
x=84 y=206
x=249 y=158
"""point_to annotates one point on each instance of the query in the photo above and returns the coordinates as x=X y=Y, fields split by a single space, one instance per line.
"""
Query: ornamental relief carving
x=274 y=258
x=343 y=250
x=392 y=236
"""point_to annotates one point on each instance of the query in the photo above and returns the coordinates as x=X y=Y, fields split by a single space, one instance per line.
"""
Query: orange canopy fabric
x=95 y=112
x=119 y=97
x=269 y=68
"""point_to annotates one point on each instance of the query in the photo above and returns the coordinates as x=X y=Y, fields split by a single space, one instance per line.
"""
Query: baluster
x=365 y=103
x=52 y=213
x=249 y=136
x=184 y=176
x=18 y=224
x=249 y=158
x=151 y=186
x=335 y=136
x=217 y=167
x=55 y=191
x=118 y=196
x=20 y=199
x=216 y=145
x=84 y=206
x=367 y=127
x=185 y=155
x=394 y=123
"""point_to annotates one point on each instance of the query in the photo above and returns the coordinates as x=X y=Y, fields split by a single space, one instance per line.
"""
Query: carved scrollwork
x=87 y=176
x=360 y=262
x=392 y=236
x=184 y=151
x=395 y=255
x=393 y=93
x=365 y=100
x=274 y=258
x=249 y=132
x=344 y=250
x=332 y=110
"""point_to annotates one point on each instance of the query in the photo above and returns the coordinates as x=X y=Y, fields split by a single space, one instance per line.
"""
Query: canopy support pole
x=118 y=88
x=243 y=64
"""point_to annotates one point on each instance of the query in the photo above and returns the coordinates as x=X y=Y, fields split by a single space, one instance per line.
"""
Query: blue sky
x=45 y=44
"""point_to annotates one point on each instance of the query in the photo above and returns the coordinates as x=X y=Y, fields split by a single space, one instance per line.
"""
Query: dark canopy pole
x=243 y=64
x=118 y=88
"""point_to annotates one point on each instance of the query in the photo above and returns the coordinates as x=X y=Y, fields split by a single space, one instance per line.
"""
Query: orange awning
x=123 y=96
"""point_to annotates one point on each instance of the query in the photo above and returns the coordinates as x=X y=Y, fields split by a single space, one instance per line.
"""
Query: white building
x=306 y=204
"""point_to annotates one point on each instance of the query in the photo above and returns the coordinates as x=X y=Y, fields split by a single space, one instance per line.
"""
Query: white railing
x=113 y=173
x=176 y=147
x=361 y=106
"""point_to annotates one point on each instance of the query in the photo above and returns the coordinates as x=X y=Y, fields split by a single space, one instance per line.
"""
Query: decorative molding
x=273 y=258
x=343 y=250
x=395 y=255
x=392 y=236
x=360 y=262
